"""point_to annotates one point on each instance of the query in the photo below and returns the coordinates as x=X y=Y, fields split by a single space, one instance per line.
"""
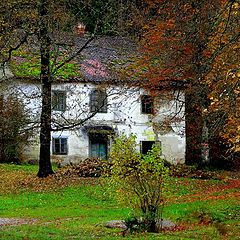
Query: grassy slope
x=70 y=208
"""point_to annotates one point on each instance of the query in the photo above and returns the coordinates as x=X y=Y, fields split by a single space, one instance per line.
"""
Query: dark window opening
x=146 y=146
x=147 y=104
x=59 y=100
x=98 y=101
x=59 y=146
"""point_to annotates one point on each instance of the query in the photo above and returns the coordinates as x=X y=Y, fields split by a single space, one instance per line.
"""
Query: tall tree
x=45 y=76
x=18 y=28
x=185 y=40
x=41 y=30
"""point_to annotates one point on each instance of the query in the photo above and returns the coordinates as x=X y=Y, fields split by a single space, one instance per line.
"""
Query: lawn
x=77 y=208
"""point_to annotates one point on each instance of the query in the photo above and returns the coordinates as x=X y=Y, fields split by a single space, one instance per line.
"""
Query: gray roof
x=97 y=62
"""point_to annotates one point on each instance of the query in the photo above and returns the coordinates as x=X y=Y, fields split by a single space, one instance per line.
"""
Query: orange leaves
x=197 y=41
x=207 y=53
x=165 y=49
x=224 y=82
x=200 y=190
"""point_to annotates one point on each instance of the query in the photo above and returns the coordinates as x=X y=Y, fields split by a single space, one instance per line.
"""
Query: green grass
x=12 y=167
x=78 y=209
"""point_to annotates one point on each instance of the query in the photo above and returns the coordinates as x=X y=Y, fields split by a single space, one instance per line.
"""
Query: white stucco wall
x=123 y=115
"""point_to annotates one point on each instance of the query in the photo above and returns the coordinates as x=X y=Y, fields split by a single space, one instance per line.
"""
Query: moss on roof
x=26 y=63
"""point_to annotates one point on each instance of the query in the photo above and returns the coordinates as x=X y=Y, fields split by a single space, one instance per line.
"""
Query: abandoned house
x=98 y=105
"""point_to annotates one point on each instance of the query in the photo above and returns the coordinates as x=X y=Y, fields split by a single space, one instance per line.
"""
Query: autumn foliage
x=196 y=42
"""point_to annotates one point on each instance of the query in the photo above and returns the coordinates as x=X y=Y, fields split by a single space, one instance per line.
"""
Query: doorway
x=98 y=145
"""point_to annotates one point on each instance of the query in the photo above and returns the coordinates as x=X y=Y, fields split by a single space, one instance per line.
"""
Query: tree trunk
x=205 y=144
x=193 y=120
x=45 y=167
x=1 y=130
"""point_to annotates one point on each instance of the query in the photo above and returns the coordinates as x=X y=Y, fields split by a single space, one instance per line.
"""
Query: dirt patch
x=161 y=224
x=15 y=221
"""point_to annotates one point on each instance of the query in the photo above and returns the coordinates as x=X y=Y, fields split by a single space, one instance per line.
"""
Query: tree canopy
x=197 y=42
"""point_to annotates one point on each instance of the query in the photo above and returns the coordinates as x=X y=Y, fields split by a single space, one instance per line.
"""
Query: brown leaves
x=14 y=179
x=90 y=167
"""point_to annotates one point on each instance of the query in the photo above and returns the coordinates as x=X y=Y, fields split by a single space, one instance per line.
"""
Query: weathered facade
x=113 y=111
x=98 y=108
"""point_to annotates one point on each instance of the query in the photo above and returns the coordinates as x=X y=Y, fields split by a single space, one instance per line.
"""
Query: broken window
x=147 y=145
x=98 y=101
x=147 y=104
x=59 y=100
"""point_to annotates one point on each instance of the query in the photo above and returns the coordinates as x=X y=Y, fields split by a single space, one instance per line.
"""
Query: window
x=59 y=146
x=146 y=146
x=59 y=100
x=98 y=101
x=147 y=104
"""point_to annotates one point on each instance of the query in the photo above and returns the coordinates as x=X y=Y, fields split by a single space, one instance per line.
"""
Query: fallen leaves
x=14 y=180
x=17 y=180
x=202 y=190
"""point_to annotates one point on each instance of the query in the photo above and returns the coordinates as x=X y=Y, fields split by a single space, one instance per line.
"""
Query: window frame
x=147 y=104
x=65 y=146
x=57 y=96
x=96 y=99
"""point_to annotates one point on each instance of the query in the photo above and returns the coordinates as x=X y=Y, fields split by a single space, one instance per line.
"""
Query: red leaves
x=205 y=191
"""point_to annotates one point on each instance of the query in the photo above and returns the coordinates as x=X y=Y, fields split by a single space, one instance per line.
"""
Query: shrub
x=13 y=134
x=139 y=180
